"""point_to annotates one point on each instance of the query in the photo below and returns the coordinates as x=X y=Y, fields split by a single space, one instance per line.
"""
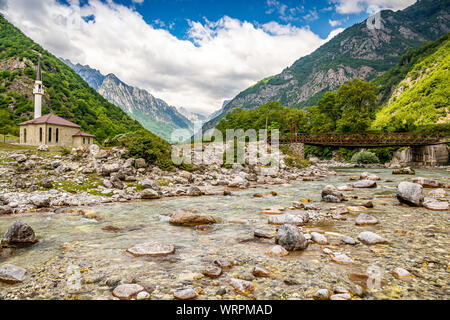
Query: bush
x=146 y=145
x=297 y=162
x=365 y=157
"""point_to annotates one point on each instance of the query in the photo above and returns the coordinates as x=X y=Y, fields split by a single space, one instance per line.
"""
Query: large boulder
x=109 y=168
x=40 y=201
x=331 y=194
x=150 y=184
x=19 y=233
x=194 y=192
x=185 y=218
x=150 y=194
x=410 y=193
x=6 y=210
x=290 y=238
x=427 y=182
x=365 y=184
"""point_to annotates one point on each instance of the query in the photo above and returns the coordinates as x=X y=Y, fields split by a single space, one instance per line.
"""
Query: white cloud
x=334 y=23
x=357 y=6
x=219 y=60
x=137 y=1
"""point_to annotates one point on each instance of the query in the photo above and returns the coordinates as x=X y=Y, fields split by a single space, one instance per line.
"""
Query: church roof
x=83 y=134
x=51 y=119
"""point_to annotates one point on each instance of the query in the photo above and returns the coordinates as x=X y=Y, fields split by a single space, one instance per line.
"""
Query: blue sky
x=190 y=53
x=173 y=15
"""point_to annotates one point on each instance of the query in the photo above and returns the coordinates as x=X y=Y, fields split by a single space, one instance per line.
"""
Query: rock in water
x=11 y=274
x=290 y=238
x=295 y=220
x=212 y=272
x=322 y=294
x=401 y=273
x=365 y=219
x=261 y=272
x=342 y=259
x=427 y=182
x=242 y=286
x=406 y=170
x=369 y=176
x=331 y=194
x=365 y=184
x=185 y=218
x=152 y=249
x=410 y=193
x=435 y=205
x=185 y=294
x=19 y=233
x=277 y=251
x=368 y=237
x=318 y=238
x=438 y=194
x=127 y=291
x=260 y=233
x=348 y=240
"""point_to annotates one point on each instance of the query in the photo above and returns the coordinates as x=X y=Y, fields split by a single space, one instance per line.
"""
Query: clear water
x=418 y=241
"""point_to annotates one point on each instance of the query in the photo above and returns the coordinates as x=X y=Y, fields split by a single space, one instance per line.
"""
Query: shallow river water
x=82 y=258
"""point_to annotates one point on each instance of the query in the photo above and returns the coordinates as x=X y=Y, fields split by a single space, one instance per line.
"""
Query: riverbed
x=84 y=256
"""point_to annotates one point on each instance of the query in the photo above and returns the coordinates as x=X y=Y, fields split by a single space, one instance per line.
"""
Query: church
x=51 y=130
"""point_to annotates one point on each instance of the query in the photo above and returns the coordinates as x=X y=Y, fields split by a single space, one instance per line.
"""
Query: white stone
x=368 y=237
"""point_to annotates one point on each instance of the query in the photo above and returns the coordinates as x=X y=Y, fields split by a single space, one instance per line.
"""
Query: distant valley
x=154 y=114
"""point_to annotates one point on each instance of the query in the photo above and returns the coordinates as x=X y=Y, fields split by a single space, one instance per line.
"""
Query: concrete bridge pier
x=422 y=156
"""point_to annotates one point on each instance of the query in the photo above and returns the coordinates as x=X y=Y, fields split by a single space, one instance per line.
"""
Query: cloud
x=358 y=6
x=285 y=13
x=334 y=23
x=137 y=1
x=216 y=61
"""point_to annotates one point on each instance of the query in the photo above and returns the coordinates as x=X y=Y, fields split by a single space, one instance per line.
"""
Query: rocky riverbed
x=350 y=235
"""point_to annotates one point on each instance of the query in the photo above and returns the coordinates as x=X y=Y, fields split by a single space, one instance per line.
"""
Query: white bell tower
x=38 y=92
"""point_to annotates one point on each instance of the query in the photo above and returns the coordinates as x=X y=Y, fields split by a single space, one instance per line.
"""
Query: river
x=85 y=258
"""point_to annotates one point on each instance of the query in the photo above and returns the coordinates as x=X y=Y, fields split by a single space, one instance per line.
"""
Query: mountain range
x=154 y=114
x=357 y=52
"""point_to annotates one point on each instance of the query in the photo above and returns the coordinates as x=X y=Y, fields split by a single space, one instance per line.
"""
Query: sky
x=191 y=53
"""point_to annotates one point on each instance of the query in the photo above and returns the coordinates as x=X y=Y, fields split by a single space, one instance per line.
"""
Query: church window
x=84 y=140
x=49 y=134
x=40 y=134
x=89 y=140
x=25 y=135
x=57 y=135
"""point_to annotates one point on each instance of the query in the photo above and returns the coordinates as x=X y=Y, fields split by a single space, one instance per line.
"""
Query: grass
x=9 y=138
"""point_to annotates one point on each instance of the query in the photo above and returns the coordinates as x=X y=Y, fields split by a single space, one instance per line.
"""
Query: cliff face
x=153 y=113
x=357 y=52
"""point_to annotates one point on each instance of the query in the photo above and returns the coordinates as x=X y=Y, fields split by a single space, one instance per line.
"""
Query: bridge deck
x=369 y=140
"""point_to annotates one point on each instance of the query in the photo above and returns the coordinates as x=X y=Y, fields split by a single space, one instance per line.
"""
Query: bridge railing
x=361 y=139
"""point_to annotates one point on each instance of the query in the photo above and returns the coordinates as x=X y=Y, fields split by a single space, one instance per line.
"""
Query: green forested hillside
x=357 y=52
x=66 y=93
x=420 y=87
